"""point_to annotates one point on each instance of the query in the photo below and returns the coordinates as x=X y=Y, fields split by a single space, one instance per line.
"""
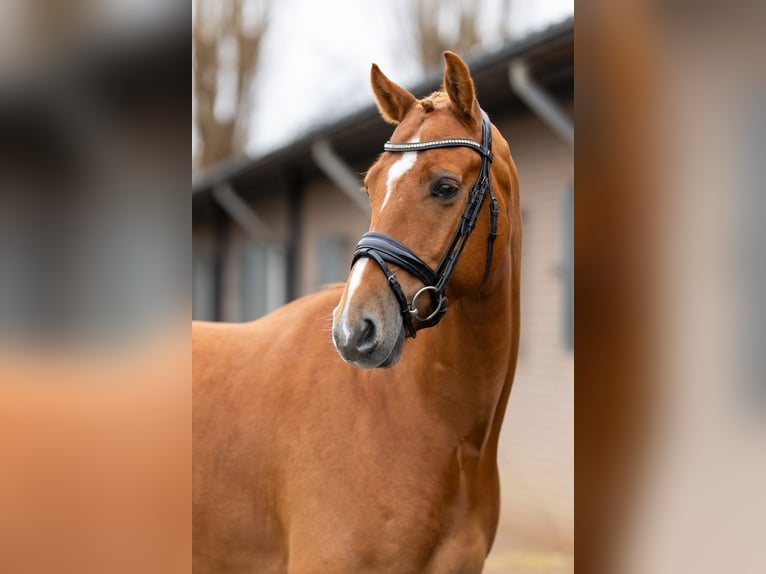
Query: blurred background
x=283 y=123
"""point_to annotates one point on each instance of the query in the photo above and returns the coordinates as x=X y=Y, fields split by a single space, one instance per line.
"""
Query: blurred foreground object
x=94 y=464
x=93 y=172
x=670 y=269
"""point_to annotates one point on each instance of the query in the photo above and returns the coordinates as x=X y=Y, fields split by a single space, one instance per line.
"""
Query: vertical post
x=295 y=194
x=219 y=253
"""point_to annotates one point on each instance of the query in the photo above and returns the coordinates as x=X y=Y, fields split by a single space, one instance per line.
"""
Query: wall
x=536 y=454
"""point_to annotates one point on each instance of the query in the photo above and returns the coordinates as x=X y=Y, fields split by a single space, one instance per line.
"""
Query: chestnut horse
x=309 y=459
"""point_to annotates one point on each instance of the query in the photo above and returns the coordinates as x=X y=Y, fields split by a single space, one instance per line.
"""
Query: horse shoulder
x=248 y=380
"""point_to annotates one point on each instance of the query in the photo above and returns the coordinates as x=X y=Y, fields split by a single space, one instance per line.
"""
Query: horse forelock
x=435 y=117
x=436 y=101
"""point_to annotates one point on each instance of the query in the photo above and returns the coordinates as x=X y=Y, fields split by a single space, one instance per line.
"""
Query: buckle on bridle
x=414 y=313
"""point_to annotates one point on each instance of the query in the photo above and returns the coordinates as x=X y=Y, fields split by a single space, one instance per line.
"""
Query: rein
x=385 y=249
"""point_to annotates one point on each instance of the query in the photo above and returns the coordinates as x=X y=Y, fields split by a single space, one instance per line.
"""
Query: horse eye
x=445 y=189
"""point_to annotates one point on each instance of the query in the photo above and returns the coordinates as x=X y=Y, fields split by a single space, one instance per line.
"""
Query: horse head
x=440 y=197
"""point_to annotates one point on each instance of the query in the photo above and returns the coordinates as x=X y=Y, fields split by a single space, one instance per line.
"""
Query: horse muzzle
x=370 y=341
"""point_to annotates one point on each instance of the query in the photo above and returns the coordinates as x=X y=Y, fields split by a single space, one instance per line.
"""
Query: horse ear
x=393 y=100
x=458 y=84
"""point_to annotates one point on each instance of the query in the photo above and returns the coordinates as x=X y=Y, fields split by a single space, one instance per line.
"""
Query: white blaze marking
x=353 y=282
x=399 y=168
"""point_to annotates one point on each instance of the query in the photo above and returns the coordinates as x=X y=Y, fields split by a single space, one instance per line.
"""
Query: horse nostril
x=367 y=338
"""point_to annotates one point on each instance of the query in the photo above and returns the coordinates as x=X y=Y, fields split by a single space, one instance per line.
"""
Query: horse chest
x=415 y=516
x=389 y=545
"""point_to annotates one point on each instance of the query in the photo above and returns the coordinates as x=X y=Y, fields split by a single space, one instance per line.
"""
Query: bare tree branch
x=439 y=25
x=217 y=22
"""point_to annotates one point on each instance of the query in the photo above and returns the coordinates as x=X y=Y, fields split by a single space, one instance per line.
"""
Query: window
x=333 y=259
x=203 y=306
x=264 y=280
x=750 y=240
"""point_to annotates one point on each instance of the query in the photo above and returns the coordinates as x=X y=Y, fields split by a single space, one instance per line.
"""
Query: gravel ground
x=512 y=555
x=528 y=562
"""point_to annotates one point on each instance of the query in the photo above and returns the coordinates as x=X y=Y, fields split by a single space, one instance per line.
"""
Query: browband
x=435 y=144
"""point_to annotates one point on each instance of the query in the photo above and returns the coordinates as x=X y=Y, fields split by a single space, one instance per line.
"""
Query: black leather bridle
x=383 y=248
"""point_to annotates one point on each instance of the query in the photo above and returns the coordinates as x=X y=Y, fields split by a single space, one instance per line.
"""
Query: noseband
x=385 y=249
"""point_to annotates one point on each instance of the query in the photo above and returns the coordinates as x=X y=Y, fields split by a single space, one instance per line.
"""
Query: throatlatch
x=385 y=249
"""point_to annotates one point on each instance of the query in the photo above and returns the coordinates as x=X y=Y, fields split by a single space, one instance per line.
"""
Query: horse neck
x=466 y=363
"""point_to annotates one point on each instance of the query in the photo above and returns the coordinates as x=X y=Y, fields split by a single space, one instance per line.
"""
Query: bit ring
x=413 y=308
